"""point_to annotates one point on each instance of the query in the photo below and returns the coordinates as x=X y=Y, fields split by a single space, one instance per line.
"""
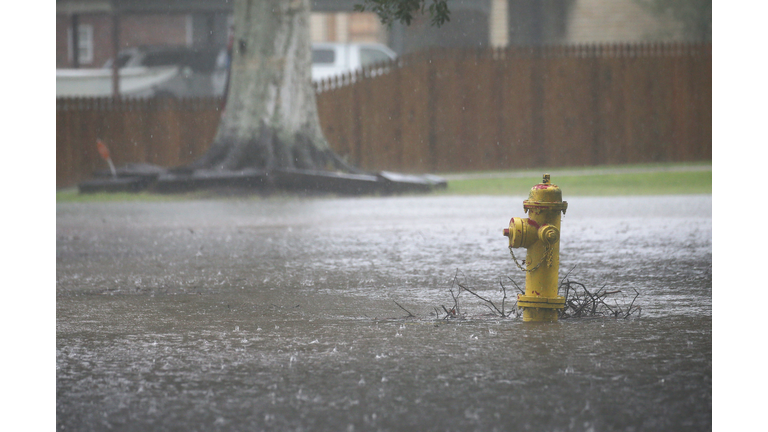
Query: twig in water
x=455 y=311
x=410 y=315
x=591 y=304
x=488 y=303
x=520 y=290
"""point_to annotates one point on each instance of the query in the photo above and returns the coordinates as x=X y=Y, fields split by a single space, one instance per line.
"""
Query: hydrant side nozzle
x=506 y=230
x=522 y=232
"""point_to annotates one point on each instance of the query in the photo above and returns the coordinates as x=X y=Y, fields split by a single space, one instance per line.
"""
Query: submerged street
x=279 y=314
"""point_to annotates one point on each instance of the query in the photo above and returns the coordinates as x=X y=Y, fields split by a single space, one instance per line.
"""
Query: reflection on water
x=279 y=314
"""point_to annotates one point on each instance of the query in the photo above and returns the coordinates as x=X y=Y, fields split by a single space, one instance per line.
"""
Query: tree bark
x=270 y=118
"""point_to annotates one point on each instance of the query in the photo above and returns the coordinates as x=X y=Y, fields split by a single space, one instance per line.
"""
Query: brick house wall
x=101 y=40
x=62 y=45
x=135 y=30
x=179 y=29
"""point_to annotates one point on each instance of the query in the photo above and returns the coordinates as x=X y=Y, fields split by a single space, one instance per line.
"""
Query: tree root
x=268 y=151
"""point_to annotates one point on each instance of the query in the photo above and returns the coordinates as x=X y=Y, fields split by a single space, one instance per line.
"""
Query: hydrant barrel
x=540 y=235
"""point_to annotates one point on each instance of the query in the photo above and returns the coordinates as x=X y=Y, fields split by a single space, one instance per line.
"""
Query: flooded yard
x=279 y=314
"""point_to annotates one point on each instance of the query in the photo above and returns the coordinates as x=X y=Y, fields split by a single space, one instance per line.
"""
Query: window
x=84 y=44
x=323 y=56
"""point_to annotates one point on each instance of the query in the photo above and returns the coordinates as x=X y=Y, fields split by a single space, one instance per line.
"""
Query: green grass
x=658 y=179
x=72 y=195
x=647 y=183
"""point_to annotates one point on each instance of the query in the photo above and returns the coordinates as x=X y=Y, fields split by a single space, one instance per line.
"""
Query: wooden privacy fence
x=449 y=110
x=453 y=110
x=162 y=131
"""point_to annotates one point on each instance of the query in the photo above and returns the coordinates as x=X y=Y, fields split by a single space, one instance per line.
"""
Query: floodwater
x=279 y=314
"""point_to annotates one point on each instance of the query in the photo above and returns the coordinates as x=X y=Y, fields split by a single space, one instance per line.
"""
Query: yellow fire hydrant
x=540 y=235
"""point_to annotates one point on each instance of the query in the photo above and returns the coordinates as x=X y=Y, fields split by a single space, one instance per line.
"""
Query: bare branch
x=487 y=301
x=410 y=315
x=516 y=285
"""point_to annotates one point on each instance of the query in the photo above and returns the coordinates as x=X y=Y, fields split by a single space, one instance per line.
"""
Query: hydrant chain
x=547 y=256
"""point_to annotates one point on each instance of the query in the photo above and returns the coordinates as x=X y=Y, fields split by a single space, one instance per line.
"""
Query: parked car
x=191 y=72
x=98 y=82
x=331 y=59
x=201 y=71
x=151 y=71
x=204 y=72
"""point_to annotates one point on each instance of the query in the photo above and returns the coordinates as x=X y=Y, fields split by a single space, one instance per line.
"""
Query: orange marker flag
x=104 y=152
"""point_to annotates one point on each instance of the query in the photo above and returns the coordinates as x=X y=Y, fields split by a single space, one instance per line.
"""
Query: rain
x=226 y=300
x=280 y=313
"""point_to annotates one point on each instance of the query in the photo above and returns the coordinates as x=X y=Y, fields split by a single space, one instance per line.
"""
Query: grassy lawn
x=647 y=183
x=659 y=179
x=72 y=195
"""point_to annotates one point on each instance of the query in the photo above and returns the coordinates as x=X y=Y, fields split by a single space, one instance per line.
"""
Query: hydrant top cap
x=545 y=191
x=545 y=195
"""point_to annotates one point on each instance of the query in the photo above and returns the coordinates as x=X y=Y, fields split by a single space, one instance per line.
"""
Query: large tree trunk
x=269 y=135
x=270 y=119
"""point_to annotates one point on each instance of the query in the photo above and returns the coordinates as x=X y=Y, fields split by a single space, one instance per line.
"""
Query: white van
x=332 y=59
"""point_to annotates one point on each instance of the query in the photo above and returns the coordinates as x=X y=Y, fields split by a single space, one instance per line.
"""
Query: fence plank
x=414 y=120
x=517 y=93
x=447 y=112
